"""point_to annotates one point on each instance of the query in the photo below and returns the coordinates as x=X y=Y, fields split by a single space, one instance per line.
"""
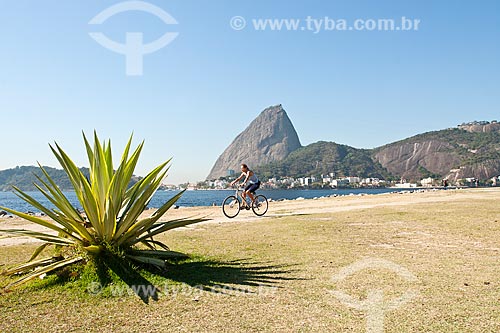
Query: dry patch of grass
x=283 y=268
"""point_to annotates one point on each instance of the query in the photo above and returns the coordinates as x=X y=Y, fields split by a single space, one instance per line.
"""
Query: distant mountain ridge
x=24 y=177
x=453 y=154
x=471 y=150
x=323 y=158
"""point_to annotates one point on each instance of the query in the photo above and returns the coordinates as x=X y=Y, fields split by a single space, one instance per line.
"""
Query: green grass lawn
x=275 y=275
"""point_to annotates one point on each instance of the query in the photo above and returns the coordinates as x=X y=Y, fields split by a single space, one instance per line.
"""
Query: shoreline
x=280 y=208
x=401 y=191
x=356 y=192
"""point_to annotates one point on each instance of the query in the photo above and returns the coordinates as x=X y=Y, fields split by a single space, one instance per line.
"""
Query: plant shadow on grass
x=213 y=276
x=218 y=277
x=208 y=275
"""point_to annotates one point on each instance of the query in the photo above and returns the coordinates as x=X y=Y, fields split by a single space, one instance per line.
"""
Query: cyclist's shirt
x=253 y=179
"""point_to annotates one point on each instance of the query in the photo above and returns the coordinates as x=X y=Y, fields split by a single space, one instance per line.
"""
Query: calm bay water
x=193 y=198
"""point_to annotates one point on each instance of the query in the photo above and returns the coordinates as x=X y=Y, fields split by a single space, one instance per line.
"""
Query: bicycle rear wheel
x=231 y=206
x=260 y=205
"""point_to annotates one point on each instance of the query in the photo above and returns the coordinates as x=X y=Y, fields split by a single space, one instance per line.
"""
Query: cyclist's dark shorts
x=252 y=187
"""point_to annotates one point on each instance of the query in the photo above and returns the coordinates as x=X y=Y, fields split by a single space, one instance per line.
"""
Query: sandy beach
x=279 y=209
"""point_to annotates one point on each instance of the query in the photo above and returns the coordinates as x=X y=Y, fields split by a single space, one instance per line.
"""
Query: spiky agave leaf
x=112 y=212
x=57 y=264
x=47 y=238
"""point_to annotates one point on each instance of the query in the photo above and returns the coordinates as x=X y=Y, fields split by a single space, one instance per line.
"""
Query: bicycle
x=232 y=205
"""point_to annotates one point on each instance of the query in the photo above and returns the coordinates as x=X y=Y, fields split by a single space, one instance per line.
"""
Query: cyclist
x=251 y=179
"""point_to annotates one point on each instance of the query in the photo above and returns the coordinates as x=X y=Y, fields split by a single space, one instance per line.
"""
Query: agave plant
x=111 y=220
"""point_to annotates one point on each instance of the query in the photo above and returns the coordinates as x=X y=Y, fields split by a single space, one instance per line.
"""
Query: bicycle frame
x=239 y=194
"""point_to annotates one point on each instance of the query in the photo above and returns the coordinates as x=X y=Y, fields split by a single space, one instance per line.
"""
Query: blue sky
x=361 y=88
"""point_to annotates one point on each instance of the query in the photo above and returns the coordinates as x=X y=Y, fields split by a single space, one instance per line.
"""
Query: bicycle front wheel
x=231 y=206
x=260 y=205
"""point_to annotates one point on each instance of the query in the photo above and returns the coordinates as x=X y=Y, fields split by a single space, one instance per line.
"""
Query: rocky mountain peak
x=481 y=126
x=270 y=137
